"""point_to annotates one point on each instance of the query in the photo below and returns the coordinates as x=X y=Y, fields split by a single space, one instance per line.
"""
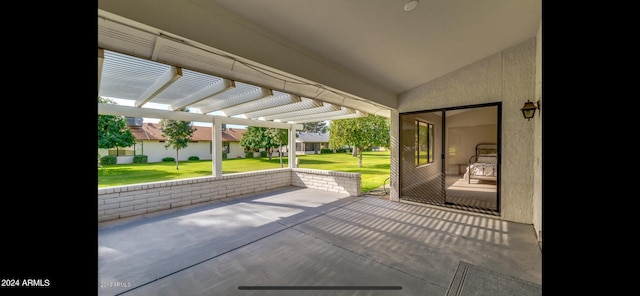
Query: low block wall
x=340 y=182
x=136 y=200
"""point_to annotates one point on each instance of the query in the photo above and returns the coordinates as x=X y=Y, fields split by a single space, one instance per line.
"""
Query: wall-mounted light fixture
x=529 y=109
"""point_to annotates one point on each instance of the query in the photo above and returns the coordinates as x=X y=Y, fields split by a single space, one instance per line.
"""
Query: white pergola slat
x=278 y=99
x=302 y=105
x=242 y=93
x=321 y=116
x=145 y=81
x=310 y=112
x=216 y=87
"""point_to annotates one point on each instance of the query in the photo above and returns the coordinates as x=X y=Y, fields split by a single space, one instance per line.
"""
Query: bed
x=483 y=165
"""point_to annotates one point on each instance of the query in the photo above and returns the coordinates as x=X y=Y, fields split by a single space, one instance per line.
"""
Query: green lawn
x=374 y=170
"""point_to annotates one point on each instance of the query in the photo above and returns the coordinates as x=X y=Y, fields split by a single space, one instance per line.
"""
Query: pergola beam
x=100 y=63
x=202 y=94
x=159 y=85
x=119 y=110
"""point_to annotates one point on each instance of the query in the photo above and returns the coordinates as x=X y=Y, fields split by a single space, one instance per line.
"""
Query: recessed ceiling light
x=411 y=5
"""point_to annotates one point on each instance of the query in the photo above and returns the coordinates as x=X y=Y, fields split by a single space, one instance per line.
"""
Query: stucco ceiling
x=347 y=57
x=381 y=42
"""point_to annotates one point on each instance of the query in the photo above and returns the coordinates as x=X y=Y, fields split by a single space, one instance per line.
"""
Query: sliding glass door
x=451 y=157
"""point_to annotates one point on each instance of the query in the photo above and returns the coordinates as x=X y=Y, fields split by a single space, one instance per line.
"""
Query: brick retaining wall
x=136 y=200
x=333 y=181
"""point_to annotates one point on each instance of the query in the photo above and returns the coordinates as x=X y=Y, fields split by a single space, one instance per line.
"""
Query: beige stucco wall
x=508 y=77
x=537 y=149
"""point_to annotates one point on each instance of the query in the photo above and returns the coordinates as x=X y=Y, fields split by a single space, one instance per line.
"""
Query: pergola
x=167 y=77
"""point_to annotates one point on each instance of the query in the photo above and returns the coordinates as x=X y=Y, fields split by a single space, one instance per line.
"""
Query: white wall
x=155 y=151
x=235 y=151
x=200 y=149
x=508 y=77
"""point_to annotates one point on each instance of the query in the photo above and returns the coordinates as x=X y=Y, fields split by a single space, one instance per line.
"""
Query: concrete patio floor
x=308 y=242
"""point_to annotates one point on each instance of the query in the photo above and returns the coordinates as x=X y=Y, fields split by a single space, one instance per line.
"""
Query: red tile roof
x=151 y=131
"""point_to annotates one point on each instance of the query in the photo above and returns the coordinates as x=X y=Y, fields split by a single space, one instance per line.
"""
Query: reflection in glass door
x=421 y=177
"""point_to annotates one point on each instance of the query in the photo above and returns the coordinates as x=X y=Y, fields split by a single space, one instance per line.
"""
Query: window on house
x=138 y=148
x=225 y=147
x=119 y=151
x=424 y=143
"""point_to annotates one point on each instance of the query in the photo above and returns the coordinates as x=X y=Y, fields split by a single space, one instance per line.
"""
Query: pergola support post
x=292 y=146
x=216 y=147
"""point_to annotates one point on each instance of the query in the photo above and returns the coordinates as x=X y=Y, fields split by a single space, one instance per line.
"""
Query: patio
x=307 y=239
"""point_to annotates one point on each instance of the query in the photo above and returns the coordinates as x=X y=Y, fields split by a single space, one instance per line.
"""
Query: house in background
x=311 y=143
x=150 y=142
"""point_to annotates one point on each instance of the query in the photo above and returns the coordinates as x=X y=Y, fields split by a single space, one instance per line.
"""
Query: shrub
x=109 y=159
x=248 y=154
x=325 y=150
x=194 y=158
x=168 y=159
x=140 y=159
x=224 y=155
x=263 y=153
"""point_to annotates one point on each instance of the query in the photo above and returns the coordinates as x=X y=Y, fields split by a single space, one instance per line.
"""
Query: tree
x=178 y=134
x=252 y=139
x=268 y=138
x=112 y=130
x=277 y=137
x=360 y=133
x=315 y=127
